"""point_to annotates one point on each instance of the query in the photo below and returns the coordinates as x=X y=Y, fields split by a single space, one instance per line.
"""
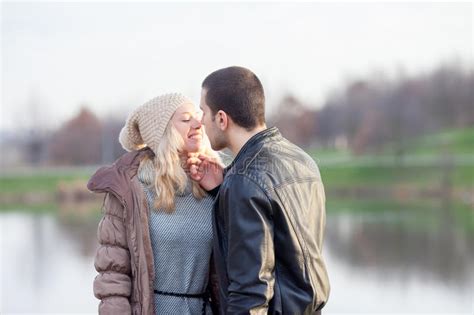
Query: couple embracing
x=182 y=234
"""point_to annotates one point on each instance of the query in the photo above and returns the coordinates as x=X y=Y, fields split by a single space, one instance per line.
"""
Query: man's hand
x=207 y=171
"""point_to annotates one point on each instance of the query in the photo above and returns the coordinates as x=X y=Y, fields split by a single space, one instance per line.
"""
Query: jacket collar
x=115 y=178
x=261 y=137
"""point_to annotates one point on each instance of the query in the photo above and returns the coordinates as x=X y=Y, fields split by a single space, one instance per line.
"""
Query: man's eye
x=186 y=120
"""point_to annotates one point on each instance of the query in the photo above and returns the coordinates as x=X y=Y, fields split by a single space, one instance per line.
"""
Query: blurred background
x=380 y=94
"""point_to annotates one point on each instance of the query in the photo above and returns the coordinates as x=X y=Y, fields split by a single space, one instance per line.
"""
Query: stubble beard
x=219 y=141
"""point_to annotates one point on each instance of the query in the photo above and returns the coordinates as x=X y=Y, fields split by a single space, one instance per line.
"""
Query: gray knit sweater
x=182 y=243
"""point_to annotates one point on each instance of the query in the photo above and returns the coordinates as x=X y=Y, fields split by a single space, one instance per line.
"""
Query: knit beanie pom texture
x=146 y=125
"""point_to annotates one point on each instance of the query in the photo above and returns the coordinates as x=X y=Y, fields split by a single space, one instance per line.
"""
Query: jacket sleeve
x=113 y=283
x=250 y=261
x=213 y=192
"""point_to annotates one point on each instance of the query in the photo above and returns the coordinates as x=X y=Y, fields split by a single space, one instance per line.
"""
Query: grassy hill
x=458 y=141
x=429 y=161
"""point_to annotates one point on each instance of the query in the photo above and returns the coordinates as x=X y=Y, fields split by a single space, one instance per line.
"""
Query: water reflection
x=399 y=261
x=393 y=261
x=395 y=244
x=46 y=264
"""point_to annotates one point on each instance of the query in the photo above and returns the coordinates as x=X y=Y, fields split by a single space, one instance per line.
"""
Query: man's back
x=270 y=223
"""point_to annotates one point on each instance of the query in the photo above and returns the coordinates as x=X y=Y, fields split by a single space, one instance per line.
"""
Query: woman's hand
x=205 y=170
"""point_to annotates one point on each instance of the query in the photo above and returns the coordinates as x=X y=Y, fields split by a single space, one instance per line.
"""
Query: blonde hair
x=170 y=177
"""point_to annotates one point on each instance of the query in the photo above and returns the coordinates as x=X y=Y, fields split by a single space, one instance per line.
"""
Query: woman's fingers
x=193 y=161
x=195 y=173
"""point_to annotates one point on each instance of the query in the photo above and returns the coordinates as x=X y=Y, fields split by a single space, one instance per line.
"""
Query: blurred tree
x=78 y=141
x=34 y=146
x=295 y=120
x=373 y=113
x=367 y=114
x=111 y=147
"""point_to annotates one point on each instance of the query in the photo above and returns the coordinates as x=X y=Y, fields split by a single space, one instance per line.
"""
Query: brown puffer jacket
x=124 y=259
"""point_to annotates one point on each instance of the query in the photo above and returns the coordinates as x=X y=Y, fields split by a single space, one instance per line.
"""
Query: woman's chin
x=195 y=146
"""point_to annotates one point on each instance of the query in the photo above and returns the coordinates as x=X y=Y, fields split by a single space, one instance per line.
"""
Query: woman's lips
x=195 y=136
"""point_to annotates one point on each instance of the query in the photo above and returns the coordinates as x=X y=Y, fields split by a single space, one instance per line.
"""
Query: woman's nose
x=196 y=123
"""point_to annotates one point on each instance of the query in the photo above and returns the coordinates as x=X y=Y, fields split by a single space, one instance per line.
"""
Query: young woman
x=156 y=233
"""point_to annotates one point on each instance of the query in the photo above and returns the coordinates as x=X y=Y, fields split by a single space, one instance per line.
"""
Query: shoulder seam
x=298 y=180
x=265 y=191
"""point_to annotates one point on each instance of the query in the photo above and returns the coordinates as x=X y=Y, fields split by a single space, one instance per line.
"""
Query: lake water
x=410 y=261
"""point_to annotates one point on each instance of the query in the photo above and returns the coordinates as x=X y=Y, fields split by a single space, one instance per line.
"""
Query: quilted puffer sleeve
x=113 y=283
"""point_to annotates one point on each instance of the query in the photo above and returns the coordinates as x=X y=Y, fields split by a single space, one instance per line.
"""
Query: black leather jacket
x=269 y=228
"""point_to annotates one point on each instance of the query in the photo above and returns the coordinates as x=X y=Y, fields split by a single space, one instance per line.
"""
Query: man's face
x=216 y=136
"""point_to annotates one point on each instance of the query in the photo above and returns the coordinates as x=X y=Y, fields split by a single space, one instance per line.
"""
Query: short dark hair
x=238 y=92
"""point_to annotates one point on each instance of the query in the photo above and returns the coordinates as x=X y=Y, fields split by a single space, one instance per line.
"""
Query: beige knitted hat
x=146 y=124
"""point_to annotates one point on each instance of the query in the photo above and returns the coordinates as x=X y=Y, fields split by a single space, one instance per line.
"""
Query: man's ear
x=222 y=120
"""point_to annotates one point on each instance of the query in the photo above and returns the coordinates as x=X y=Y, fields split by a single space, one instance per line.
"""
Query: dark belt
x=204 y=296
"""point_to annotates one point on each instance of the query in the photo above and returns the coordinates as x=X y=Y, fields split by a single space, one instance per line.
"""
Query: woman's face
x=187 y=121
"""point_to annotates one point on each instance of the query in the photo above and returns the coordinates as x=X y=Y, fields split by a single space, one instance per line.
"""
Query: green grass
x=334 y=205
x=421 y=166
x=38 y=182
x=419 y=176
x=453 y=142
x=464 y=176
x=457 y=141
x=36 y=208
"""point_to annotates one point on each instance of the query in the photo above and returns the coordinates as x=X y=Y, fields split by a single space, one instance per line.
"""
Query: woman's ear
x=222 y=120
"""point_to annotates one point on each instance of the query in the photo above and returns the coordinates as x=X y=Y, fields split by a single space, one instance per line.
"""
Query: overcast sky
x=115 y=56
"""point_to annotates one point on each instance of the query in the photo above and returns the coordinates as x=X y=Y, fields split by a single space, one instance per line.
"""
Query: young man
x=269 y=215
